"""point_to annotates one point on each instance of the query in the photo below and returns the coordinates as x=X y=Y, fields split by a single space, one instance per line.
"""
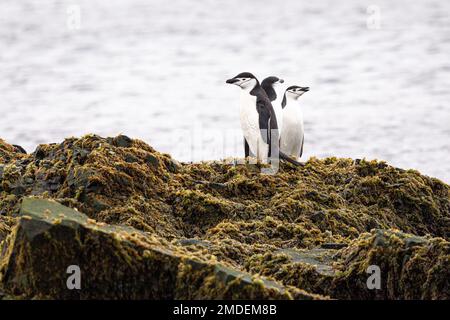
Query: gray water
x=156 y=70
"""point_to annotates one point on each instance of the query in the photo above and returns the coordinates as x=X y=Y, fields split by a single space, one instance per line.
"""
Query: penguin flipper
x=264 y=119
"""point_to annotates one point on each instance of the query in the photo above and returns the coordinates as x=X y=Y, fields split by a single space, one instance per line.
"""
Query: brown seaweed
x=273 y=226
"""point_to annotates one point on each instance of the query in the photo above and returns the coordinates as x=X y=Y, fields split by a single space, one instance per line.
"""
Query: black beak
x=232 y=80
x=306 y=89
x=281 y=81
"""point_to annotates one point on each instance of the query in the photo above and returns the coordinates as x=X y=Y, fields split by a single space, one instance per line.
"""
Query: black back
x=267 y=85
x=267 y=117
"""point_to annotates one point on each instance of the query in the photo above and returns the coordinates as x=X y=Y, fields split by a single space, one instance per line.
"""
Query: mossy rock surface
x=246 y=220
x=116 y=262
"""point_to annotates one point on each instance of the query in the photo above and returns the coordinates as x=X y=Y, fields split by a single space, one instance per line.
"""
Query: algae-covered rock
x=6 y=224
x=7 y=151
x=411 y=267
x=115 y=262
x=295 y=226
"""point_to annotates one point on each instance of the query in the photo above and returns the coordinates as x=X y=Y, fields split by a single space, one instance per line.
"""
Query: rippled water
x=156 y=70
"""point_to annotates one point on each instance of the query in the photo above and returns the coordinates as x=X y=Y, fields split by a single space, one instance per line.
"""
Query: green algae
x=117 y=262
x=411 y=267
x=246 y=218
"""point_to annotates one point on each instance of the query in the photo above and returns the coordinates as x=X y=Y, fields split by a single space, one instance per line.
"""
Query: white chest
x=293 y=132
x=293 y=117
x=248 y=113
x=250 y=126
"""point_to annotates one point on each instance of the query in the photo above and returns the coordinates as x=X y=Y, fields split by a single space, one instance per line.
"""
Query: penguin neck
x=289 y=99
x=250 y=87
x=270 y=91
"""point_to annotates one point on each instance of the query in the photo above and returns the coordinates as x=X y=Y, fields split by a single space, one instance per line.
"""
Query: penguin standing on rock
x=258 y=119
x=269 y=85
x=293 y=135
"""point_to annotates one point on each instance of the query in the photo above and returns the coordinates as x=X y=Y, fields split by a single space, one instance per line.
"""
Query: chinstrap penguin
x=258 y=119
x=293 y=136
x=270 y=86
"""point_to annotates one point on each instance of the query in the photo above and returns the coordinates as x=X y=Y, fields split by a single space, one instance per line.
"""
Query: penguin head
x=269 y=85
x=245 y=80
x=271 y=81
x=295 y=92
